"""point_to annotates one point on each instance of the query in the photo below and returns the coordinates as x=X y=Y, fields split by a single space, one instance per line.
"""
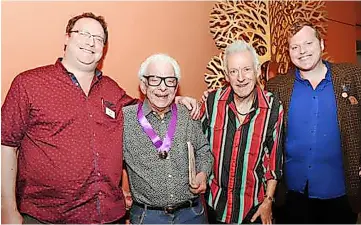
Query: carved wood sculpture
x=263 y=24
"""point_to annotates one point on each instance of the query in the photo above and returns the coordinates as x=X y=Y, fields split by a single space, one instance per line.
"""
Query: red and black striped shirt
x=245 y=155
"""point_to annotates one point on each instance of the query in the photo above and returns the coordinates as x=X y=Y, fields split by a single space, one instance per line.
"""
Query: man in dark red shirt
x=61 y=136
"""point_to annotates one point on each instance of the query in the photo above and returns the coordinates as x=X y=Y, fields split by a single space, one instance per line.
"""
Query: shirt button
x=97 y=154
x=100 y=193
x=90 y=115
x=98 y=174
x=162 y=121
x=171 y=196
x=169 y=175
x=93 y=134
x=309 y=167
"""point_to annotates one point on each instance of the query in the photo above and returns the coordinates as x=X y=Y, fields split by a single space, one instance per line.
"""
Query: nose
x=162 y=85
x=240 y=76
x=302 y=49
x=90 y=41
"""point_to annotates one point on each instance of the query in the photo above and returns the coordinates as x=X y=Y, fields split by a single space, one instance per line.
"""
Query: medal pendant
x=163 y=155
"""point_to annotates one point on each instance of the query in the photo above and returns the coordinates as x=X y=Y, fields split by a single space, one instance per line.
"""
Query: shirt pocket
x=110 y=116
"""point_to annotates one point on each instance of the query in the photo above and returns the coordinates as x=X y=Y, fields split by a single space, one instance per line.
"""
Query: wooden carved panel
x=263 y=24
x=282 y=15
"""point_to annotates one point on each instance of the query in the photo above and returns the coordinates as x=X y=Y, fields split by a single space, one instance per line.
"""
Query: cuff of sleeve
x=273 y=175
x=9 y=144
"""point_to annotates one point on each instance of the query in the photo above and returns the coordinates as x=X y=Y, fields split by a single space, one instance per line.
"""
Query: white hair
x=240 y=46
x=159 y=57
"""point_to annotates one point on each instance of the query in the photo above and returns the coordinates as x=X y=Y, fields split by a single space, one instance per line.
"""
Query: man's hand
x=128 y=199
x=205 y=95
x=10 y=216
x=265 y=211
x=200 y=185
x=191 y=104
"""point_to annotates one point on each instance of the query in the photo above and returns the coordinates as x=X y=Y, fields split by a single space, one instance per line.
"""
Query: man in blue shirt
x=322 y=132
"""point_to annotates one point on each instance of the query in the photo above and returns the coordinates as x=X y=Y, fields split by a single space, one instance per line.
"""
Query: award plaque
x=191 y=165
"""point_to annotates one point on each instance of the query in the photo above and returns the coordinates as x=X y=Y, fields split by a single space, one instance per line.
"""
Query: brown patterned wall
x=263 y=24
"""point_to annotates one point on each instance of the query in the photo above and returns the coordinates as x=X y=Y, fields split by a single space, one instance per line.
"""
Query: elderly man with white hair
x=243 y=124
x=156 y=132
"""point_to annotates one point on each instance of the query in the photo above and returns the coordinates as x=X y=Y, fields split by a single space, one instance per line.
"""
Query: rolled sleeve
x=274 y=144
x=15 y=114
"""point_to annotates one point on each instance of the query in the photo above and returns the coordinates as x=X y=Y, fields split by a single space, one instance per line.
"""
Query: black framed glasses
x=86 y=35
x=155 y=81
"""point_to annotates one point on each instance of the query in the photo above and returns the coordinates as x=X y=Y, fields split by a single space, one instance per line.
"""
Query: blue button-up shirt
x=313 y=144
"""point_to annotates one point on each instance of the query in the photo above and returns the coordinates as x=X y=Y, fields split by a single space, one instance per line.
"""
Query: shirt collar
x=147 y=109
x=260 y=100
x=98 y=73
x=327 y=77
x=328 y=73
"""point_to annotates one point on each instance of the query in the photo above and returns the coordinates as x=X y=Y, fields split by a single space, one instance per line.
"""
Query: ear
x=66 y=39
x=258 y=71
x=143 y=86
x=226 y=76
x=322 y=45
x=176 y=88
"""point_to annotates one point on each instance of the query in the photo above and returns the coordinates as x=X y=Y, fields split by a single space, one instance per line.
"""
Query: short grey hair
x=159 y=57
x=240 y=46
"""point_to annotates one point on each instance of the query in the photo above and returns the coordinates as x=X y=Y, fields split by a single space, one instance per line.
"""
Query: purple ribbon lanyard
x=163 y=147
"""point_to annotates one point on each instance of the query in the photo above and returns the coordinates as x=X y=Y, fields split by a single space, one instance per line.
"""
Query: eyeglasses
x=155 y=81
x=248 y=70
x=84 y=34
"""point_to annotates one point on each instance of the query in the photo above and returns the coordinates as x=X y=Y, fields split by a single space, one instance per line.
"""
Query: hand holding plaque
x=191 y=166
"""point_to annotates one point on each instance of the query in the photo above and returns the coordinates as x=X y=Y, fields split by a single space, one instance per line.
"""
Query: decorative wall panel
x=263 y=24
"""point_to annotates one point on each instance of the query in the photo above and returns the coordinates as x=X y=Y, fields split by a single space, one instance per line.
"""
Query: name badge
x=110 y=112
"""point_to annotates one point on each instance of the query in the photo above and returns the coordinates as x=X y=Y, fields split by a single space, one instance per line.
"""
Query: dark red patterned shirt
x=70 y=150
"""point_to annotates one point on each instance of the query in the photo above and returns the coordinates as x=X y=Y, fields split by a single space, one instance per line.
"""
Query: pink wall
x=342 y=32
x=358 y=20
x=33 y=35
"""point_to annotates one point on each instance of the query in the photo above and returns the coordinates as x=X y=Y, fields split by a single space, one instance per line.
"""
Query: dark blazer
x=349 y=120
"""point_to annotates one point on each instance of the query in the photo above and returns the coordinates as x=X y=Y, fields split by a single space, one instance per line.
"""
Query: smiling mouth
x=161 y=96
x=87 y=50
x=242 y=85
x=304 y=57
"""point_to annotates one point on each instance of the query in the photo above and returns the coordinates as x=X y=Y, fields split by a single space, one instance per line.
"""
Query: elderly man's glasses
x=86 y=35
x=155 y=81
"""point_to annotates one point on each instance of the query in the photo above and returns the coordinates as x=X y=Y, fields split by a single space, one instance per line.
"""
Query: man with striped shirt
x=243 y=125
